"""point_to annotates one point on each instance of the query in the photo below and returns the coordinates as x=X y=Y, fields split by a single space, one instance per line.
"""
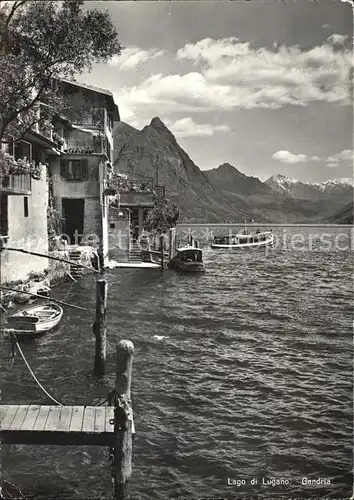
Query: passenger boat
x=257 y=239
x=34 y=320
x=187 y=259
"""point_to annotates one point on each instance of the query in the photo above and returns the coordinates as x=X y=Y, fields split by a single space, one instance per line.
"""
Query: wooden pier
x=110 y=426
x=57 y=425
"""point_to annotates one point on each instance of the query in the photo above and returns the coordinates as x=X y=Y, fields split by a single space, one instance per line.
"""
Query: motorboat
x=34 y=320
x=187 y=259
x=245 y=239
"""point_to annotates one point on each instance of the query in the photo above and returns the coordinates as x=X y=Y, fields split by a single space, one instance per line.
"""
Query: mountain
x=334 y=190
x=154 y=152
x=220 y=195
x=343 y=216
x=276 y=204
x=229 y=179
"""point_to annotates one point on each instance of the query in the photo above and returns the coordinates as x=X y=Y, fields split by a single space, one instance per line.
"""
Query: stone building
x=23 y=208
x=80 y=175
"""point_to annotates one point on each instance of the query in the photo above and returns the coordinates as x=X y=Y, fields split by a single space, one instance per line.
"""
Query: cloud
x=336 y=39
x=132 y=57
x=187 y=127
x=286 y=157
x=326 y=26
x=332 y=161
x=343 y=156
x=231 y=74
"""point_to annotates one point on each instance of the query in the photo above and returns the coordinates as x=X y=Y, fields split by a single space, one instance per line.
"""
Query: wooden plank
x=58 y=438
x=53 y=418
x=76 y=419
x=88 y=422
x=10 y=415
x=100 y=419
x=31 y=417
x=109 y=416
x=19 y=418
x=22 y=319
x=41 y=419
x=65 y=418
x=3 y=410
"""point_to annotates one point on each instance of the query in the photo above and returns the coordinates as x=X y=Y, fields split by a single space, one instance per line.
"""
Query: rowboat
x=245 y=239
x=187 y=259
x=34 y=320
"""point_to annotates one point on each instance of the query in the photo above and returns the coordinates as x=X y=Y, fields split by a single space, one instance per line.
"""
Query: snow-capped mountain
x=334 y=184
x=312 y=191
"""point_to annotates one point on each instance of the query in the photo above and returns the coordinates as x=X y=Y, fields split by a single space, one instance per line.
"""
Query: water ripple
x=245 y=372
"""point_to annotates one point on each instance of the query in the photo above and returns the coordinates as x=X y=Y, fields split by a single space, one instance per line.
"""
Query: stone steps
x=135 y=252
x=75 y=271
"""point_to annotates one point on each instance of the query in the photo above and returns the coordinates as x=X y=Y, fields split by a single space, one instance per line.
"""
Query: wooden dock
x=110 y=426
x=135 y=265
x=57 y=425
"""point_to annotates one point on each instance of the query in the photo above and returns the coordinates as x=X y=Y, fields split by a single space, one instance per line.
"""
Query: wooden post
x=123 y=420
x=170 y=238
x=172 y=242
x=162 y=241
x=99 y=327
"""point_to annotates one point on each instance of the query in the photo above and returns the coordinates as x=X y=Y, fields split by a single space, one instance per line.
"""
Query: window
x=74 y=170
x=25 y=206
x=112 y=225
x=22 y=150
x=4 y=223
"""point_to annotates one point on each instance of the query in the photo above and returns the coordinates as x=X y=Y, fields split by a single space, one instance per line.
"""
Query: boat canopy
x=190 y=254
x=185 y=249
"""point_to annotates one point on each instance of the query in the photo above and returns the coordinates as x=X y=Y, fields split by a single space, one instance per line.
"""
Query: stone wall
x=76 y=189
x=118 y=240
x=26 y=232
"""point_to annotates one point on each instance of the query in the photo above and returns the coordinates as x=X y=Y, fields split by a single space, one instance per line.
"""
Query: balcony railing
x=137 y=198
x=135 y=184
x=16 y=184
x=98 y=145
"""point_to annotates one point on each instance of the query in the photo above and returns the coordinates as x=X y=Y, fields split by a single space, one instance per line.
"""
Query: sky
x=262 y=85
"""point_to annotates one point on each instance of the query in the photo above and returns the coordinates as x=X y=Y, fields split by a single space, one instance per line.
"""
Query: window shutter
x=84 y=169
x=63 y=173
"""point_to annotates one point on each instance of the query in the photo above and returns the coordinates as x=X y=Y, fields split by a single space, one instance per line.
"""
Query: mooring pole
x=99 y=327
x=170 y=236
x=162 y=241
x=123 y=420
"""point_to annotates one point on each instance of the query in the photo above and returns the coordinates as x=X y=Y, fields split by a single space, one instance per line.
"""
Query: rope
x=35 y=378
x=42 y=297
x=33 y=375
x=51 y=258
x=103 y=402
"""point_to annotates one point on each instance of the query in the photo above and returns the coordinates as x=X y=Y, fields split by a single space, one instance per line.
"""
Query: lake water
x=241 y=374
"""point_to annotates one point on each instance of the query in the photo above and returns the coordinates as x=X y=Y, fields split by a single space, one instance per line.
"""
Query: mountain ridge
x=222 y=194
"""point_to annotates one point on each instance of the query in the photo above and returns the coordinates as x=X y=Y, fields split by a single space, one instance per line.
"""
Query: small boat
x=187 y=259
x=35 y=320
x=245 y=239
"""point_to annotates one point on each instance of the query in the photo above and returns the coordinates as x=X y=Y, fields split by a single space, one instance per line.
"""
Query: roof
x=184 y=249
x=112 y=106
x=88 y=87
x=39 y=139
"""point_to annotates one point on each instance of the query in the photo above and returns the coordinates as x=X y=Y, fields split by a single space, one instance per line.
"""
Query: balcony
x=16 y=184
x=95 y=145
x=137 y=199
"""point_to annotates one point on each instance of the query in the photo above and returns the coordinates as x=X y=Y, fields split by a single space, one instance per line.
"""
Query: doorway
x=73 y=210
